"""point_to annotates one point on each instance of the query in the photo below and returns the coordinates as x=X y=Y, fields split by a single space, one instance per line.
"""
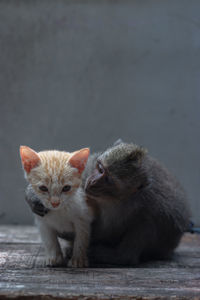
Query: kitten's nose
x=55 y=204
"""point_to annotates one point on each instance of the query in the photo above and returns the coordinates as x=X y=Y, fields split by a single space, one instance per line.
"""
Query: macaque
x=140 y=209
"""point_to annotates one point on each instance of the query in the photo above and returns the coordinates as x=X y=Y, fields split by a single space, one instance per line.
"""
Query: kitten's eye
x=100 y=168
x=66 y=188
x=43 y=188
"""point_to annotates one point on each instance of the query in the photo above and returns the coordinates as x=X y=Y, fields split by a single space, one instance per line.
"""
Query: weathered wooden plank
x=29 y=234
x=19 y=234
x=21 y=256
x=22 y=275
x=28 y=256
x=102 y=282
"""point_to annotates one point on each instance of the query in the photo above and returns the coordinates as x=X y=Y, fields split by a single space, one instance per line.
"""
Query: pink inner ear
x=79 y=159
x=30 y=159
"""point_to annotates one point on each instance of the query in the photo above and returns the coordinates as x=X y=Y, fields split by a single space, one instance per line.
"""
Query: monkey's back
x=140 y=222
x=165 y=202
x=149 y=223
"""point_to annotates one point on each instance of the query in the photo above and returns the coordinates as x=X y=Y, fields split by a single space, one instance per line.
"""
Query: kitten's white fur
x=73 y=216
x=69 y=212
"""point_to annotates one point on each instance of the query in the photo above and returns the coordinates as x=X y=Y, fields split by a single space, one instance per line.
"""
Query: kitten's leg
x=49 y=238
x=79 y=257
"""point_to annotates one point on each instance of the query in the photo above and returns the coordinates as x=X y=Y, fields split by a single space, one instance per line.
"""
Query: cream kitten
x=55 y=178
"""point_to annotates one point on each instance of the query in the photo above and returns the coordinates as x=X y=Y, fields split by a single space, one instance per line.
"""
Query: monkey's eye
x=43 y=188
x=100 y=168
x=66 y=188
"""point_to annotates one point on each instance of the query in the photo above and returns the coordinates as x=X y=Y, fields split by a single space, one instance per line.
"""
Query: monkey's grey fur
x=140 y=209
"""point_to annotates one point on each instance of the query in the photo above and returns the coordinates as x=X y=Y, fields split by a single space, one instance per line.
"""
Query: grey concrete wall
x=84 y=73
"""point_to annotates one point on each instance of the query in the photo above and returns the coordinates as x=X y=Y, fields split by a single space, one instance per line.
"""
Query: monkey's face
x=101 y=183
x=118 y=172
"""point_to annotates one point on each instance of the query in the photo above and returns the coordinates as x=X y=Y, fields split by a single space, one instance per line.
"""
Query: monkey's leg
x=127 y=253
x=113 y=256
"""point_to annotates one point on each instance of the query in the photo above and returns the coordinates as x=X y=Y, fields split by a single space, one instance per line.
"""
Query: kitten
x=55 y=178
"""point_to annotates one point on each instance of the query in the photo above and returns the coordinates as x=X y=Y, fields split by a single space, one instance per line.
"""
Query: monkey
x=141 y=210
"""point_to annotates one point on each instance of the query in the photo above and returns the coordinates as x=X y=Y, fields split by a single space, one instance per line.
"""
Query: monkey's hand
x=35 y=204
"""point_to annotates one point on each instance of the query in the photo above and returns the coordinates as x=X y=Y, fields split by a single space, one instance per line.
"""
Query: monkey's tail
x=193 y=229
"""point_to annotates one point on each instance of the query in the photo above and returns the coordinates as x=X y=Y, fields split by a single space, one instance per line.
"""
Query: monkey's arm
x=125 y=254
x=136 y=244
x=35 y=204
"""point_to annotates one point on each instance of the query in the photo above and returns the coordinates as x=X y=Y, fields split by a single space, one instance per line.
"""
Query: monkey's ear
x=30 y=158
x=138 y=154
x=79 y=159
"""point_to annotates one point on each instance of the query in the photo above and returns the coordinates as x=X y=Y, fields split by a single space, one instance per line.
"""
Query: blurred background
x=85 y=73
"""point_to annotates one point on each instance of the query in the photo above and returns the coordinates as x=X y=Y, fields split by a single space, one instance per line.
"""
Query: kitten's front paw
x=54 y=261
x=78 y=262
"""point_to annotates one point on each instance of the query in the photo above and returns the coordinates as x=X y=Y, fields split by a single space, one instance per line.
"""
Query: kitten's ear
x=79 y=159
x=30 y=159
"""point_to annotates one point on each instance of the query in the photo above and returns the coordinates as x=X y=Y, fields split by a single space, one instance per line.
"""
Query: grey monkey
x=141 y=210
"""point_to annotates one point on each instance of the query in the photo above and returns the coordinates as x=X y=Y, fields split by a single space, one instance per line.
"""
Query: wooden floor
x=23 y=276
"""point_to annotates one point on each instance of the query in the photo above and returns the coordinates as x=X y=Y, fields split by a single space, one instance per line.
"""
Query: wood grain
x=23 y=275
